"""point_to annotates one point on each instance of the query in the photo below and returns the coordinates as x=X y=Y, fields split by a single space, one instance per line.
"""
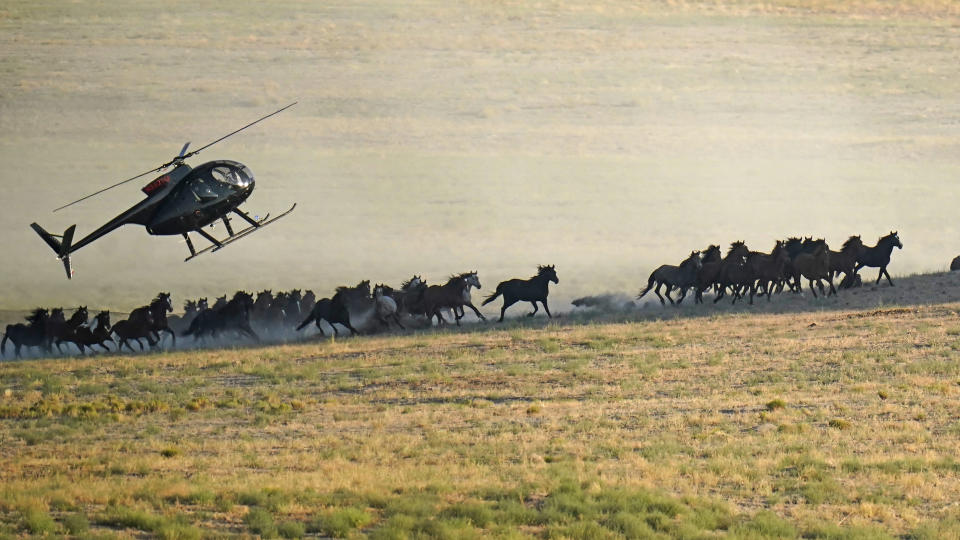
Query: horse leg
x=833 y=289
x=245 y=328
x=812 y=288
x=720 y=294
x=883 y=271
x=657 y=292
x=545 y=308
x=173 y=336
x=507 y=302
x=353 y=331
x=535 y=309
x=475 y=310
x=320 y=328
x=667 y=293
x=396 y=319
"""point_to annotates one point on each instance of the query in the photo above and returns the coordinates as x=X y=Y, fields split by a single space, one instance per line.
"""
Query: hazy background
x=439 y=137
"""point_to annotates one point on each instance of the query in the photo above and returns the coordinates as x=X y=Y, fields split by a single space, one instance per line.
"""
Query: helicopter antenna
x=179 y=159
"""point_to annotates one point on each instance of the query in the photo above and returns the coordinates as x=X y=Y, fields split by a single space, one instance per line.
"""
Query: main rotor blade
x=111 y=187
x=202 y=148
x=180 y=157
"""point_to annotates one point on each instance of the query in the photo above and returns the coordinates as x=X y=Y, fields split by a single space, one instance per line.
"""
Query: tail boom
x=61 y=247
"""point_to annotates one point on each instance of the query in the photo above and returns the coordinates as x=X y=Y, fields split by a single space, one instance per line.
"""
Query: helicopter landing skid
x=217 y=245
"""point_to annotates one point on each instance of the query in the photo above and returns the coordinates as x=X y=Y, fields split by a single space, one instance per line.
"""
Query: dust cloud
x=434 y=138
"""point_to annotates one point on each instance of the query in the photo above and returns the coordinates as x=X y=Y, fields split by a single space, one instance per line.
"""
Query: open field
x=605 y=137
x=837 y=424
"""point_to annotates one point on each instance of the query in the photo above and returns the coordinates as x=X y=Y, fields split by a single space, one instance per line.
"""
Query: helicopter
x=184 y=200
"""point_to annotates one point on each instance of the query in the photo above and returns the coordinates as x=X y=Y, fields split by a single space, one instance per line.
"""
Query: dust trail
x=607 y=302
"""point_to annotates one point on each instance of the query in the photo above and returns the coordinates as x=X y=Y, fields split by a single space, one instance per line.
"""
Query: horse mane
x=852 y=241
x=734 y=246
x=542 y=269
x=37 y=315
x=407 y=283
x=456 y=277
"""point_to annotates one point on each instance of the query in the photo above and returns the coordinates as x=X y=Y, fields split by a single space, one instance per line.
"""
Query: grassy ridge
x=827 y=425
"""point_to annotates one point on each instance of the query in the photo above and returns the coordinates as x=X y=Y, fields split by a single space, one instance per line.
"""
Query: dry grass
x=549 y=431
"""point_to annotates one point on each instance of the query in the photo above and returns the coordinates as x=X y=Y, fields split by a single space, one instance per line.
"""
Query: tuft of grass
x=776 y=404
x=340 y=523
x=839 y=423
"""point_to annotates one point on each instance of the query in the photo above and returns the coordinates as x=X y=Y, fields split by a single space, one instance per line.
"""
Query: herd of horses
x=741 y=271
x=279 y=314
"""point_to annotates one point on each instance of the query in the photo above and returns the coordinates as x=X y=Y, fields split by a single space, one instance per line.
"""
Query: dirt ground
x=604 y=137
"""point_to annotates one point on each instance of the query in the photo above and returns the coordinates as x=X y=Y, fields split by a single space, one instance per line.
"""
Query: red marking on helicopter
x=156 y=184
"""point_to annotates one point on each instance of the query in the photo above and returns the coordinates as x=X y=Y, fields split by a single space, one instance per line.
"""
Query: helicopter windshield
x=234 y=176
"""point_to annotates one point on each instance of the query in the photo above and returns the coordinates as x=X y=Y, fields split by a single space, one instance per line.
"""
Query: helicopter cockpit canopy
x=231 y=173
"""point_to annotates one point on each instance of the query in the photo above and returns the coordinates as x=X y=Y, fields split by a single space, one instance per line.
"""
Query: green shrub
x=38 y=521
x=292 y=529
x=76 y=523
x=338 y=523
x=260 y=521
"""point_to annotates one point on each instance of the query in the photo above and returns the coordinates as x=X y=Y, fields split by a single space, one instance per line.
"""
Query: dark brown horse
x=721 y=272
x=453 y=294
x=32 y=334
x=878 y=256
x=767 y=269
x=815 y=266
x=531 y=290
x=845 y=260
x=682 y=277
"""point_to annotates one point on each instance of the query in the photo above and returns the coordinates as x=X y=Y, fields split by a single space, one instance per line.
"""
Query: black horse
x=84 y=336
x=878 y=256
x=682 y=277
x=153 y=317
x=336 y=310
x=32 y=334
x=531 y=290
x=233 y=315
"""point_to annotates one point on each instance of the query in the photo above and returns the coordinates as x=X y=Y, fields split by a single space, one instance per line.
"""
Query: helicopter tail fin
x=60 y=247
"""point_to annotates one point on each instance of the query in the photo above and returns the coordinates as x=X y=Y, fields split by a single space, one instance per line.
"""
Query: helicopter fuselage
x=197 y=197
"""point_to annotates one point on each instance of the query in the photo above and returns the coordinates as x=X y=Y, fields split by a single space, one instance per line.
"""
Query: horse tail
x=3 y=344
x=308 y=320
x=494 y=295
x=650 y=283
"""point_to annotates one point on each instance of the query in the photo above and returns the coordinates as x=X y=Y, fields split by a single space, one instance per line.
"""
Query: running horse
x=152 y=318
x=233 y=315
x=531 y=290
x=682 y=277
x=32 y=334
x=453 y=294
x=878 y=256
x=85 y=336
